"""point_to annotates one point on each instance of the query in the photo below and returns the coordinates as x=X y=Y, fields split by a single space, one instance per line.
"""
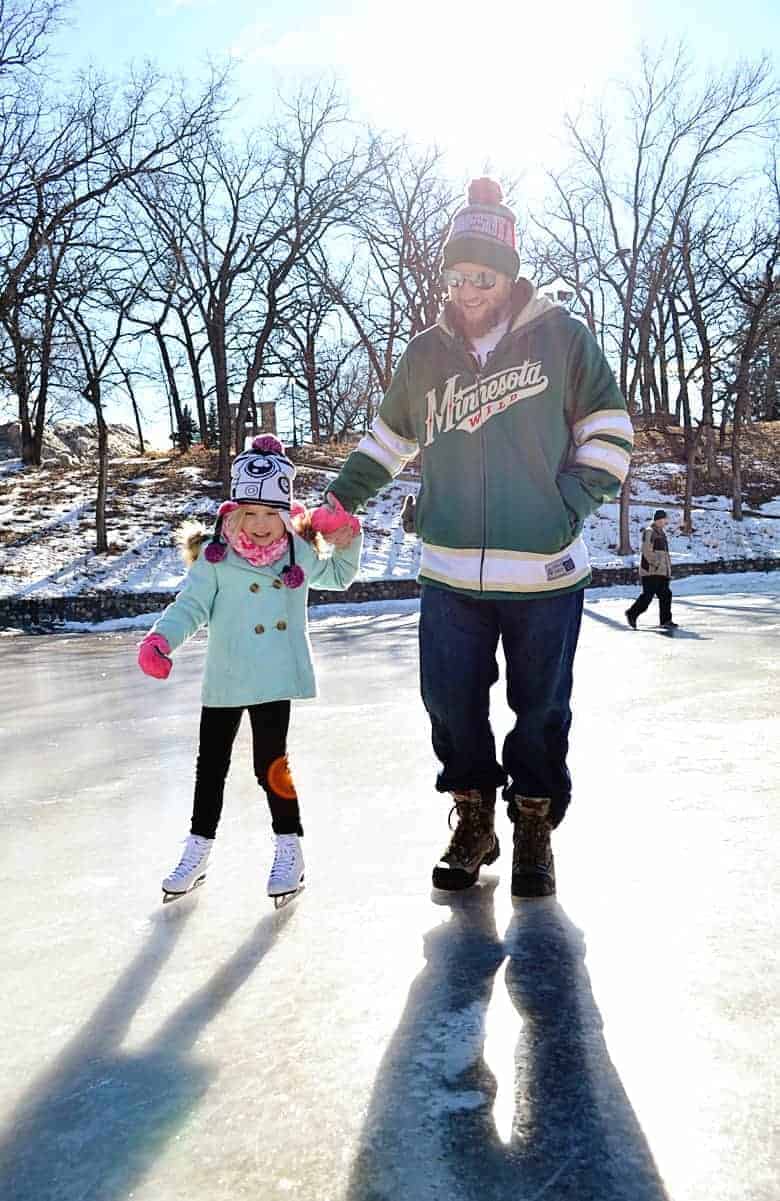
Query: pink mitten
x=332 y=516
x=153 y=655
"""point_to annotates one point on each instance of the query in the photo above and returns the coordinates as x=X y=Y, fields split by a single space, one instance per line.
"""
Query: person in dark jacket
x=523 y=433
x=655 y=572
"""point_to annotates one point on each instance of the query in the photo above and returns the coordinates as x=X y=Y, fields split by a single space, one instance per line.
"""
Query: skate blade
x=283 y=899
x=177 y=896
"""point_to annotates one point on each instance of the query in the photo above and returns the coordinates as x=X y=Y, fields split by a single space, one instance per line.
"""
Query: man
x=523 y=433
x=655 y=572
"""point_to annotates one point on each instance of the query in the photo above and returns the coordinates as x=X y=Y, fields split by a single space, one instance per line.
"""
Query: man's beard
x=475 y=325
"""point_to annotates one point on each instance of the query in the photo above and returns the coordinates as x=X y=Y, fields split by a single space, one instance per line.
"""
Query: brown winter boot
x=473 y=843
x=533 y=866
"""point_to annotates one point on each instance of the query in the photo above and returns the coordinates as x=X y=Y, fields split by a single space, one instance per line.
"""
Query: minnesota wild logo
x=468 y=408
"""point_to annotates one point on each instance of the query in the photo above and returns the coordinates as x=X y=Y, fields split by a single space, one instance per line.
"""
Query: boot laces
x=465 y=806
x=193 y=854
x=284 y=858
x=473 y=813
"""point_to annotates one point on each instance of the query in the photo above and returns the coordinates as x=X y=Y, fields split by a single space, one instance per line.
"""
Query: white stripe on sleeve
x=604 y=456
x=387 y=448
x=615 y=422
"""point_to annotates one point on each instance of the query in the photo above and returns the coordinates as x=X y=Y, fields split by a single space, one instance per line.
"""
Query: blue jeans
x=458 y=642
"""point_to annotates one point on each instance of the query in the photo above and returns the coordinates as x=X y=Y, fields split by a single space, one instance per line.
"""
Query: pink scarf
x=258 y=556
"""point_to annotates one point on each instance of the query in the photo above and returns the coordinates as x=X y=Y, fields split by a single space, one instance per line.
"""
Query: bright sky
x=487 y=83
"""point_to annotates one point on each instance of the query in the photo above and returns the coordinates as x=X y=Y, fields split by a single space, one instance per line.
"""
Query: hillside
x=47 y=515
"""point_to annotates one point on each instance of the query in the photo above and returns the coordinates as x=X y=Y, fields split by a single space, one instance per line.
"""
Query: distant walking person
x=655 y=572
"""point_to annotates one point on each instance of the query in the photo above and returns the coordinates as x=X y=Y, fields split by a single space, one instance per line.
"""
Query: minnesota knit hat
x=483 y=231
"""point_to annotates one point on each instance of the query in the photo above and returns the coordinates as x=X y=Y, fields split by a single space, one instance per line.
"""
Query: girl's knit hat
x=261 y=475
x=483 y=231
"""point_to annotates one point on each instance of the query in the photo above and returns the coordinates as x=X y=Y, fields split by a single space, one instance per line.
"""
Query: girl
x=250 y=587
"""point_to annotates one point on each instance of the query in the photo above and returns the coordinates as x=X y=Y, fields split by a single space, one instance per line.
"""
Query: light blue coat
x=258 y=646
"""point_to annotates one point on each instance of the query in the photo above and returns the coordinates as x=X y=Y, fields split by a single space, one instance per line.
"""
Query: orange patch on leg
x=280 y=781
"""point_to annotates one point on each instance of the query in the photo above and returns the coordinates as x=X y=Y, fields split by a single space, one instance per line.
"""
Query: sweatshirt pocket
x=569 y=524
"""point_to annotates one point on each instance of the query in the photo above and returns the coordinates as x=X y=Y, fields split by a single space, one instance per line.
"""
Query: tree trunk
x=707 y=388
x=740 y=408
x=43 y=382
x=309 y=366
x=684 y=406
x=173 y=390
x=645 y=369
x=216 y=336
x=197 y=381
x=663 y=364
x=21 y=385
x=101 y=533
x=136 y=411
x=40 y=411
x=253 y=370
x=724 y=424
x=29 y=457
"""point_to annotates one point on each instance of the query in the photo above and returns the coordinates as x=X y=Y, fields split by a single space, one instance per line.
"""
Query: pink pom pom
x=267 y=444
x=485 y=191
x=227 y=506
x=214 y=552
x=293 y=576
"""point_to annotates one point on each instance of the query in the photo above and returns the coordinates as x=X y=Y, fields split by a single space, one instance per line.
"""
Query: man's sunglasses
x=483 y=280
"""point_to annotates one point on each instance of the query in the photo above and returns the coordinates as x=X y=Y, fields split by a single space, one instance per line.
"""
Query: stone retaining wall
x=46 y=613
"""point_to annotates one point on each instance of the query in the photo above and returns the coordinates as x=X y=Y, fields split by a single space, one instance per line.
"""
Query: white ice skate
x=286 y=878
x=190 y=871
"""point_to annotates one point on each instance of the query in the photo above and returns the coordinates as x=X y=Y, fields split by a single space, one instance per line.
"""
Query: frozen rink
x=368 y=1043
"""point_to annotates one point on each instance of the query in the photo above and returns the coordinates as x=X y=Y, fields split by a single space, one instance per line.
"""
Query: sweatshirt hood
x=526 y=306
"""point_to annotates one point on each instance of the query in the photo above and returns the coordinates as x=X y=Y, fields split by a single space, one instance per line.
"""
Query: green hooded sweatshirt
x=515 y=455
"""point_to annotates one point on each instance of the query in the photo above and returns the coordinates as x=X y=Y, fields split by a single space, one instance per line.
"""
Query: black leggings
x=218 y=729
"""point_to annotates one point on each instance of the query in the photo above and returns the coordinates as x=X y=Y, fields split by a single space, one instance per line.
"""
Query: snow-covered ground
x=50 y=551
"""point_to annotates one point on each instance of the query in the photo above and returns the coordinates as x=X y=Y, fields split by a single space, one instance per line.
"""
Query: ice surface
x=368 y=1043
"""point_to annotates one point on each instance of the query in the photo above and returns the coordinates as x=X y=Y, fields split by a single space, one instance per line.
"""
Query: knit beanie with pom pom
x=483 y=231
x=261 y=475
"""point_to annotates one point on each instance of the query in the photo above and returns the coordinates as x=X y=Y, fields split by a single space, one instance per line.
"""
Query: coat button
x=281 y=625
x=259 y=629
x=254 y=587
x=278 y=584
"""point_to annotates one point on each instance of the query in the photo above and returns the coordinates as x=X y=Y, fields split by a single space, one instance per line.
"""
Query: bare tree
x=389 y=287
x=347 y=392
x=754 y=284
x=94 y=308
x=613 y=235
x=25 y=28
x=65 y=150
x=303 y=348
x=237 y=224
x=60 y=158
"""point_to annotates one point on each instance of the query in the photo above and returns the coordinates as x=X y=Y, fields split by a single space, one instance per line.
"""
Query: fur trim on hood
x=190 y=537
